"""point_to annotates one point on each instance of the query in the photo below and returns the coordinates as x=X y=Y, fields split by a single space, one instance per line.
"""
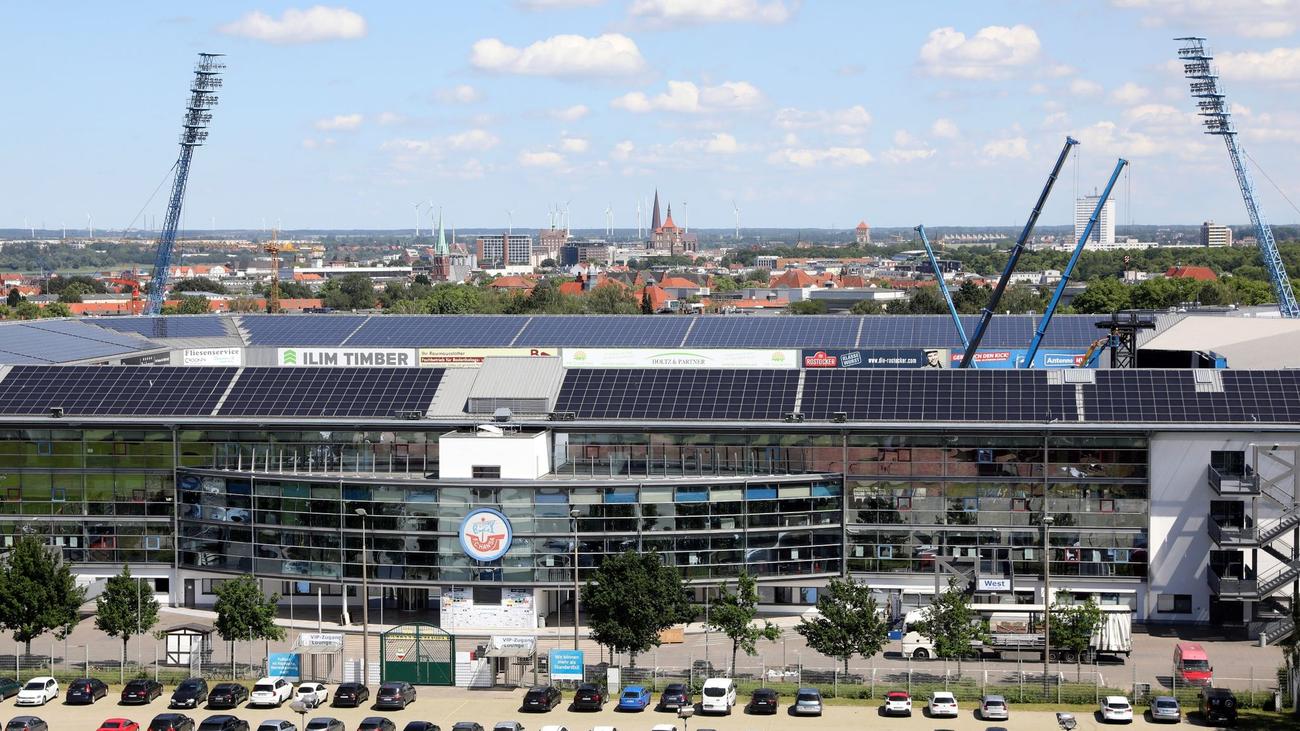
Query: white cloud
x=945 y=129
x=611 y=54
x=1108 y=138
x=574 y=144
x=1083 y=87
x=459 y=94
x=339 y=122
x=1279 y=64
x=993 y=52
x=317 y=23
x=685 y=96
x=474 y=139
x=1248 y=18
x=851 y=121
x=556 y=4
x=571 y=114
x=808 y=157
x=1011 y=147
x=722 y=144
x=388 y=118
x=623 y=150
x=542 y=158
x=908 y=148
x=1130 y=93
x=660 y=14
x=312 y=143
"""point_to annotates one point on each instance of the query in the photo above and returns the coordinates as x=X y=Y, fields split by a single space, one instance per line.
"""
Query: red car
x=119 y=724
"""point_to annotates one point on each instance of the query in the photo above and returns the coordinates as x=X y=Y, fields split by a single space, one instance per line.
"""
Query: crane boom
x=943 y=286
x=194 y=130
x=1213 y=105
x=986 y=315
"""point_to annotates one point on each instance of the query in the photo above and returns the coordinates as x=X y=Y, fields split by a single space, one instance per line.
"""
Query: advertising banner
x=212 y=357
x=566 y=665
x=285 y=665
x=685 y=358
x=346 y=357
x=319 y=642
x=1015 y=358
x=874 y=358
x=473 y=357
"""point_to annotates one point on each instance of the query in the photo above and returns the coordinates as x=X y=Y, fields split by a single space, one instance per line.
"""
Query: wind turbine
x=609 y=221
x=638 y=219
x=686 y=218
x=510 y=222
x=736 y=208
x=566 y=214
x=417 y=205
x=90 y=226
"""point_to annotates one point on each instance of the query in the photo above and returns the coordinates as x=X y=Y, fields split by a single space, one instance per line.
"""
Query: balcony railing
x=1233 y=535
x=1233 y=587
x=1235 y=481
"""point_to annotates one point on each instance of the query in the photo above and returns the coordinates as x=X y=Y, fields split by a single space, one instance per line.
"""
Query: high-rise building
x=1214 y=234
x=1104 y=232
x=503 y=250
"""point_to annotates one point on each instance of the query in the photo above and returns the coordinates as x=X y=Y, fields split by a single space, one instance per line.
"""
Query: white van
x=719 y=696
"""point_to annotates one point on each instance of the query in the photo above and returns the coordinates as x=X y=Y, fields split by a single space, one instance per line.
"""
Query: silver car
x=994 y=708
x=1166 y=708
x=808 y=702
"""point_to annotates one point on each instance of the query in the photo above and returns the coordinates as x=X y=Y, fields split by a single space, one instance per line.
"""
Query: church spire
x=442 y=249
x=655 y=222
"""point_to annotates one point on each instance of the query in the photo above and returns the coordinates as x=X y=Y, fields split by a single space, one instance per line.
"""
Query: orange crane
x=137 y=304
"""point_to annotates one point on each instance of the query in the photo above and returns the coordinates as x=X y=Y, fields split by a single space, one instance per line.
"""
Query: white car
x=943 y=704
x=38 y=691
x=270 y=692
x=312 y=694
x=897 y=703
x=1116 y=709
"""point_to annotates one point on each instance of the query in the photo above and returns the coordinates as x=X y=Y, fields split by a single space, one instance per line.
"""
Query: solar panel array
x=61 y=341
x=774 y=332
x=1171 y=396
x=113 y=390
x=414 y=331
x=1004 y=331
x=188 y=326
x=636 y=393
x=316 y=392
x=607 y=331
x=935 y=395
x=300 y=330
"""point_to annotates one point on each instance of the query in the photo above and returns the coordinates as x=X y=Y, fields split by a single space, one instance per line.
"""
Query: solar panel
x=1171 y=396
x=609 y=331
x=787 y=331
x=188 y=326
x=635 y=393
x=331 y=391
x=935 y=395
x=299 y=330
x=113 y=390
x=60 y=341
x=413 y=331
x=1004 y=331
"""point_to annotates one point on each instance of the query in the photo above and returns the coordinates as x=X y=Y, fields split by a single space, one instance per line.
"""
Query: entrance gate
x=418 y=653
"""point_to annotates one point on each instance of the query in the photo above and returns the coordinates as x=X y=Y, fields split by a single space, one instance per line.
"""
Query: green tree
x=867 y=307
x=952 y=625
x=27 y=310
x=125 y=609
x=188 y=305
x=1103 y=295
x=848 y=623
x=353 y=291
x=610 y=299
x=733 y=614
x=1021 y=298
x=548 y=263
x=807 y=307
x=1072 y=629
x=631 y=598
x=57 y=285
x=970 y=297
x=73 y=293
x=14 y=297
x=454 y=299
x=647 y=306
x=1215 y=293
x=38 y=593
x=245 y=614
x=724 y=284
x=924 y=301
x=200 y=284
x=56 y=309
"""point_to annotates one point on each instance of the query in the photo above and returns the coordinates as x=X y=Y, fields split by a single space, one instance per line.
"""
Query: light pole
x=1047 y=595
x=365 y=601
x=573 y=515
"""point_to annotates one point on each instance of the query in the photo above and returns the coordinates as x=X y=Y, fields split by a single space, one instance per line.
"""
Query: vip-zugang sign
x=485 y=534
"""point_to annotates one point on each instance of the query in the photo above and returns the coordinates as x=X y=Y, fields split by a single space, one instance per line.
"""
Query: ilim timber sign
x=347 y=357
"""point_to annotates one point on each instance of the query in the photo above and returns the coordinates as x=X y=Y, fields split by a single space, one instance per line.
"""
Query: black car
x=223 y=722
x=1218 y=705
x=26 y=723
x=542 y=698
x=675 y=696
x=376 y=723
x=764 y=700
x=190 y=693
x=85 y=690
x=421 y=726
x=171 y=722
x=8 y=688
x=141 y=691
x=588 y=697
x=350 y=695
x=227 y=695
x=467 y=726
x=395 y=695
x=325 y=723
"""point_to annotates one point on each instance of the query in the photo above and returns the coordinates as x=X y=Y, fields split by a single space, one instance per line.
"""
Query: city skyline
x=812 y=114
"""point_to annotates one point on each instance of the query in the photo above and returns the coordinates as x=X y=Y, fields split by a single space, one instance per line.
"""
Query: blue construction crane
x=986 y=315
x=1214 y=108
x=194 y=130
x=1069 y=268
x=943 y=286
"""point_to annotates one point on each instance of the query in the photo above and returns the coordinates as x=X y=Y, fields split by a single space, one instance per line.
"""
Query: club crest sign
x=485 y=534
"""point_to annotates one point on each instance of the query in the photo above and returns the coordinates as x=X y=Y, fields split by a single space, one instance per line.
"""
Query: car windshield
x=188 y=685
x=263 y=688
x=111 y=724
x=1196 y=664
x=715 y=691
x=318 y=723
x=1118 y=705
x=808 y=697
x=1167 y=704
x=631 y=694
x=943 y=699
x=896 y=697
x=36 y=685
x=994 y=704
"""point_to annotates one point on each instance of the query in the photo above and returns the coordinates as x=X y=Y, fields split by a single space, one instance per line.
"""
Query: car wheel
x=921 y=653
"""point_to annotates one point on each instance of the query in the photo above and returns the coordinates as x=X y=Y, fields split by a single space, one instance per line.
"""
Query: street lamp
x=1047 y=595
x=365 y=601
x=573 y=515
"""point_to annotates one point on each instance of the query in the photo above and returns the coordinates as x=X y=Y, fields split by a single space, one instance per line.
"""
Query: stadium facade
x=470 y=452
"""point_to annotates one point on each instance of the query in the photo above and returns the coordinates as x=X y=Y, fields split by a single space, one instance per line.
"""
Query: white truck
x=1018 y=628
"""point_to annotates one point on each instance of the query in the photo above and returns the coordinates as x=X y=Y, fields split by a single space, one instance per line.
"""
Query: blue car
x=634 y=698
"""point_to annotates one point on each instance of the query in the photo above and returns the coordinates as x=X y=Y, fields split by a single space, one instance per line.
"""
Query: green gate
x=419 y=653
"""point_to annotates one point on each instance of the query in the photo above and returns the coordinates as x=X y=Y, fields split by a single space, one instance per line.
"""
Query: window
x=1229 y=462
x=1174 y=603
x=486 y=472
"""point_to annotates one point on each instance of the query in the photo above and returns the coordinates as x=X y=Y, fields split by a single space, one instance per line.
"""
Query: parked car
x=26 y=723
x=325 y=723
x=395 y=695
x=141 y=691
x=467 y=726
x=588 y=697
x=85 y=690
x=350 y=695
x=994 y=708
x=1166 y=708
x=376 y=723
x=541 y=699
x=312 y=694
x=675 y=697
x=508 y=726
x=633 y=698
x=171 y=722
x=718 y=696
x=272 y=724
x=9 y=688
x=421 y=726
x=1218 y=705
x=223 y=722
x=943 y=704
x=554 y=728
x=38 y=691
x=807 y=702
x=227 y=695
x=119 y=724
x=764 y=700
x=897 y=703
x=270 y=692
x=190 y=693
x=1116 y=709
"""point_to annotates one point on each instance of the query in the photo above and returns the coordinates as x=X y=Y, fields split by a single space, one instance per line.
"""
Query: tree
x=245 y=614
x=610 y=299
x=925 y=301
x=56 y=309
x=1103 y=295
x=733 y=613
x=548 y=263
x=647 y=305
x=866 y=307
x=807 y=307
x=73 y=293
x=1073 y=627
x=352 y=291
x=37 y=592
x=193 y=306
x=14 y=297
x=631 y=598
x=200 y=284
x=952 y=625
x=124 y=610
x=848 y=623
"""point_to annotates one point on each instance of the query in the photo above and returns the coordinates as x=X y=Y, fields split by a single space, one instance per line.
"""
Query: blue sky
x=806 y=114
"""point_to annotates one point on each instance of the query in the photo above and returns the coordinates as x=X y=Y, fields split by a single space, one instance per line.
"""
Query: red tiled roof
x=658 y=297
x=792 y=279
x=1203 y=274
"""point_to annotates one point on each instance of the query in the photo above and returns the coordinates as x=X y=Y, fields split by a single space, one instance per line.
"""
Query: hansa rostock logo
x=485 y=534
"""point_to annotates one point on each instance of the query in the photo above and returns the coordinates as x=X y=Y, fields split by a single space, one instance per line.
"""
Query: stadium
x=466 y=462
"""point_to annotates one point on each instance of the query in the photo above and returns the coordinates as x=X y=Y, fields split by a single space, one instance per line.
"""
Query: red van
x=1191 y=664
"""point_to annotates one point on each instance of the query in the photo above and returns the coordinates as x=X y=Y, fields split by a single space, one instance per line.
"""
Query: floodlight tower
x=194 y=130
